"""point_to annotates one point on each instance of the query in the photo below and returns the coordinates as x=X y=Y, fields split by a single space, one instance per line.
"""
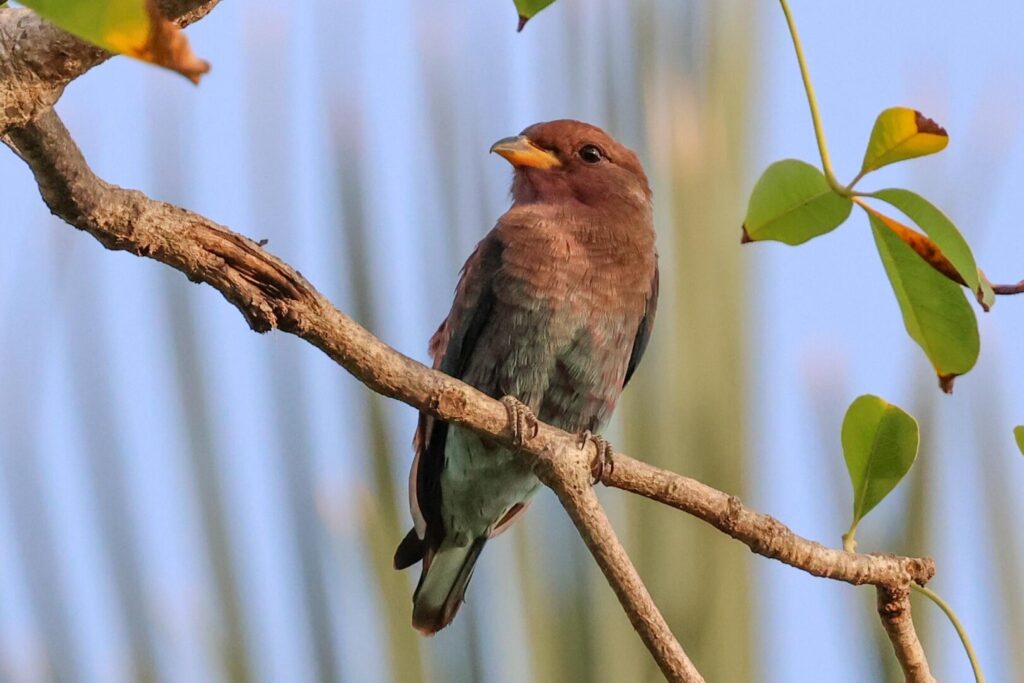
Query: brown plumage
x=554 y=307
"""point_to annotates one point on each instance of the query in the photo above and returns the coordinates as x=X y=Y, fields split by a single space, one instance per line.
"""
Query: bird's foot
x=522 y=422
x=604 y=458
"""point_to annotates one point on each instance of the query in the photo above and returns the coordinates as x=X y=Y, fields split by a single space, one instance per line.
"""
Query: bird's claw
x=604 y=454
x=522 y=422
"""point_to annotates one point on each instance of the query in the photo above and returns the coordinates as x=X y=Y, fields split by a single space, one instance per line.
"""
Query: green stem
x=812 y=101
x=856 y=180
x=849 y=542
x=960 y=630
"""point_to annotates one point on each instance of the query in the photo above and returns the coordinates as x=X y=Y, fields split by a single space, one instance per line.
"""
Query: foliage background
x=182 y=500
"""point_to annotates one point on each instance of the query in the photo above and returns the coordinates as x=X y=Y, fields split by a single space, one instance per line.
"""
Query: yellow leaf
x=131 y=27
x=899 y=134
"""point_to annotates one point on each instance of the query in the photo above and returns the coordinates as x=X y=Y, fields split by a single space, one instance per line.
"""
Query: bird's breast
x=563 y=328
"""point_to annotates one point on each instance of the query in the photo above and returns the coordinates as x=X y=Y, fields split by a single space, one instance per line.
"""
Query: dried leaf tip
x=982 y=299
x=927 y=125
x=522 y=22
x=167 y=46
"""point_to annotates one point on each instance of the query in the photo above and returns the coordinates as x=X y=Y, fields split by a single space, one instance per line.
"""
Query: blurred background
x=183 y=500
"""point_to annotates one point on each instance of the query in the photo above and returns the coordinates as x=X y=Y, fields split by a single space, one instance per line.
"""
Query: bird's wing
x=472 y=308
x=451 y=347
x=643 y=334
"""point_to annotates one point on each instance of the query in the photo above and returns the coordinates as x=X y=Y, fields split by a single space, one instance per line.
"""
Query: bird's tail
x=443 y=584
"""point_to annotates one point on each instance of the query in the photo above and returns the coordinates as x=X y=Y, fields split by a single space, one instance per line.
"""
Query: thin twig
x=1009 y=289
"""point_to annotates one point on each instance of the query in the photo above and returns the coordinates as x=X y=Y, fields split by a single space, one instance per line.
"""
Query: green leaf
x=1018 y=434
x=792 y=202
x=131 y=27
x=528 y=8
x=936 y=225
x=899 y=134
x=880 y=443
x=935 y=311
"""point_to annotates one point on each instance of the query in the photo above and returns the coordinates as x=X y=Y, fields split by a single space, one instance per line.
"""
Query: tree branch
x=271 y=294
x=894 y=610
x=567 y=473
x=764 y=534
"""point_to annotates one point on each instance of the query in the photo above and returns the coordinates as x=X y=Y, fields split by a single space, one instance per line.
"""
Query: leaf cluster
x=928 y=267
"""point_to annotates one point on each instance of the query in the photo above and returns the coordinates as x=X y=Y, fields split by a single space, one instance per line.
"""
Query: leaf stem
x=856 y=180
x=812 y=101
x=849 y=541
x=979 y=677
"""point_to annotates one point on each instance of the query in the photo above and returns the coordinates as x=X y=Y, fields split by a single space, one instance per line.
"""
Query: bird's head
x=572 y=161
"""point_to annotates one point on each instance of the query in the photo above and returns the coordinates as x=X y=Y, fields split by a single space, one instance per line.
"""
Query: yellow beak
x=520 y=151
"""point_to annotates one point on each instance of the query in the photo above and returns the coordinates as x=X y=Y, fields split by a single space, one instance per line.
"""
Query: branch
x=37 y=59
x=566 y=470
x=1009 y=289
x=271 y=294
x=764 y=534
x=894 y=610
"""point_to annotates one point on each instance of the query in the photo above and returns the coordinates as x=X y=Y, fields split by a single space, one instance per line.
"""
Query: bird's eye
x=591 y=154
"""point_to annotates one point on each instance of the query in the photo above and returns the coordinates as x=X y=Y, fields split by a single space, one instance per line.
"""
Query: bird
x=552 y=313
